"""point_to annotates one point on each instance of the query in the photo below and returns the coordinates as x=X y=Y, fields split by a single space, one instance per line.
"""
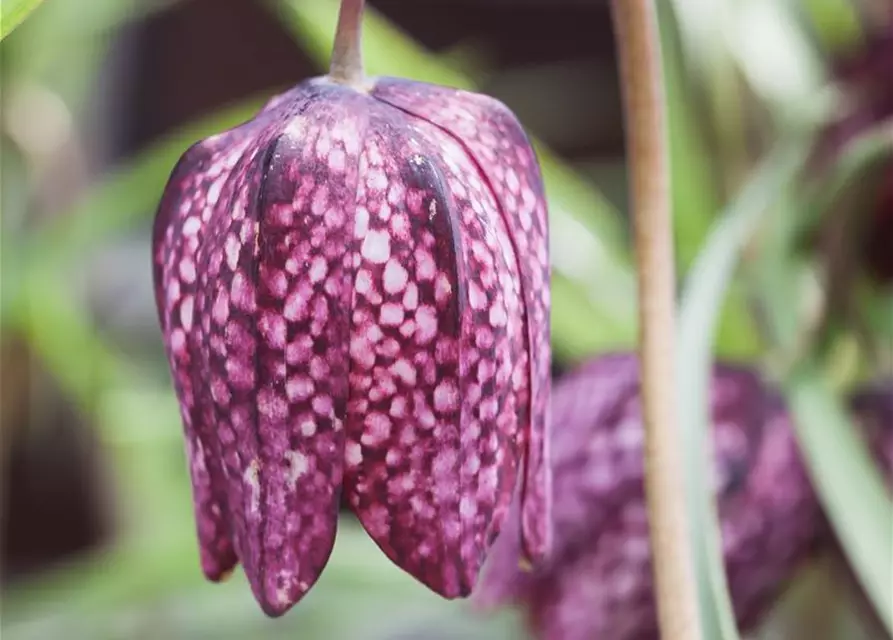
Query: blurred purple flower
x=865 y=75
x=353 y=289
x=597 y=583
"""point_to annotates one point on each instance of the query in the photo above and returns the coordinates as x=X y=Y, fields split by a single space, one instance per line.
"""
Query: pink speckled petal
x=436 y=400
x=271 y=316
x=588 y=494
x=502 y=152
x=291 y=450
x=175 y=244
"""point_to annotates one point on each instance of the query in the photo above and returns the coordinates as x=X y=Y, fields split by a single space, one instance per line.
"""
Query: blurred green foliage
x=702 y=299
x=13 y=13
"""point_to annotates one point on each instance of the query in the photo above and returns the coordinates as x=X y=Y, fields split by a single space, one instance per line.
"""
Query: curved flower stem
x=638 y=50
x=347 y=55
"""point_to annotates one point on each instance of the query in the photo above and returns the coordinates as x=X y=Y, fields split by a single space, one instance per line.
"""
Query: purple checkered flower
x=353 y=289
x=598 y=581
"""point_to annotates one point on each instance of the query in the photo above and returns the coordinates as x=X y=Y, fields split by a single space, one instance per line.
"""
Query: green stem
x=347 y=55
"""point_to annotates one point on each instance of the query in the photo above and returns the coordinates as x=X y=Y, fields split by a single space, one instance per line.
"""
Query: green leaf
x=849 y=484
x=785 y=276
x=13 y=13
x=696 y=198
x=847 y=481
x=694 y=179
x=780 y=67
x=57 y=328
x=573 y=337
x=702 y=300
x=836 y=23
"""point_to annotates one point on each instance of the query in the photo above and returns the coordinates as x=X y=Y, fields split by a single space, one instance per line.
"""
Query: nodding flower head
x=597 y=582
x=353 y=288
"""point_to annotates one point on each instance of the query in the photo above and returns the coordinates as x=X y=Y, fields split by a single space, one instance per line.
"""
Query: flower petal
x=290 y=449
x=438 y=357
x=271 y=312
x=176 y=237
x=591 y=482
x=597 y=582
x=498 y=145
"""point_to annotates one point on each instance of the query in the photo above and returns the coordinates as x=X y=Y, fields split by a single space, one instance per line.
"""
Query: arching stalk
x=638 y=50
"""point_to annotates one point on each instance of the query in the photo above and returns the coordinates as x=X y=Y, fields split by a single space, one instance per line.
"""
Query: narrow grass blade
x=702 y=301
x=13 y=13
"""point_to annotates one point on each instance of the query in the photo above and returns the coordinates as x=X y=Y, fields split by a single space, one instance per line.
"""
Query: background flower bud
x=598 y=582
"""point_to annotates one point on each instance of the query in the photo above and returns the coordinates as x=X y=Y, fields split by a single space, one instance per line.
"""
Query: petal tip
x=276 y=599
x=273 y=608
x=215 y=569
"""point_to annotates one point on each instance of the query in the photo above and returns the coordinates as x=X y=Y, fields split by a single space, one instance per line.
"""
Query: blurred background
x=100 y=97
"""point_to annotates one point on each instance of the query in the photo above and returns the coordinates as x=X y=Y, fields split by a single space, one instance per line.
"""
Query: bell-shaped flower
x=598 y=581
x=353 y=288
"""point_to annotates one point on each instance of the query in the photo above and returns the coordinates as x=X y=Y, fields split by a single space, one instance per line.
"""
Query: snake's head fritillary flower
x=353 y=288
x=597 y=582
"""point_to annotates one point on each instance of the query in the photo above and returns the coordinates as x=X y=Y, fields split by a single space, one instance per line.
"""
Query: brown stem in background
x=347 y=55
x=641 y=78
